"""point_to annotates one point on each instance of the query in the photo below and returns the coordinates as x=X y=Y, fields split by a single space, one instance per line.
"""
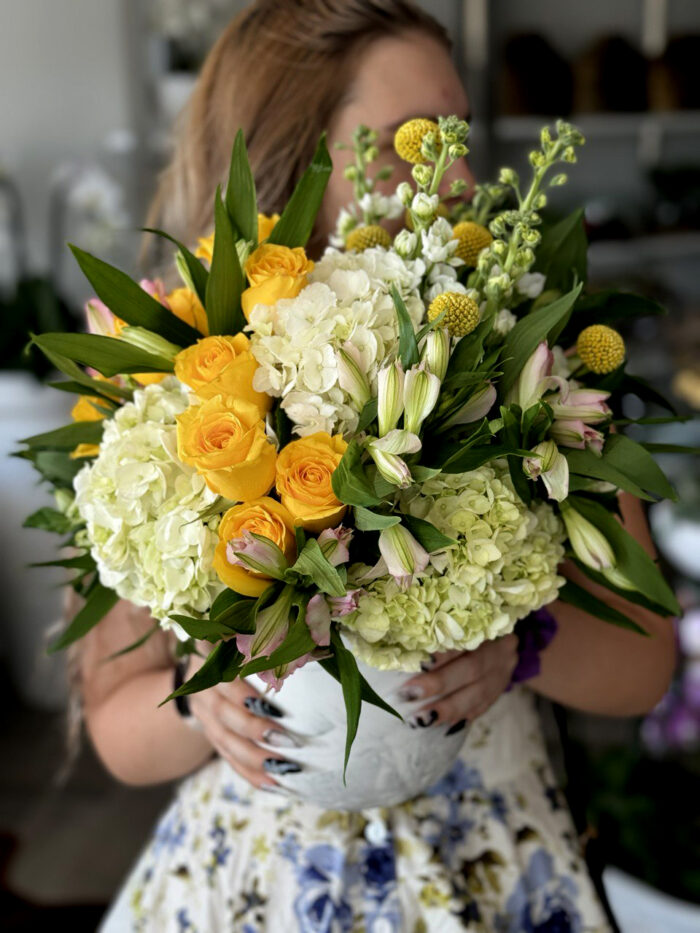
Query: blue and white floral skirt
x=490 y=847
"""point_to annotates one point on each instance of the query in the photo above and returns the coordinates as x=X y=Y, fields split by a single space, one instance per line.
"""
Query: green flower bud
x=147 y=340
x=404 y=193
x=558 y=180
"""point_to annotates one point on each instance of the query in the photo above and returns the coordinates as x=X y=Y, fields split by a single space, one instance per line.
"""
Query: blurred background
x=91 y=88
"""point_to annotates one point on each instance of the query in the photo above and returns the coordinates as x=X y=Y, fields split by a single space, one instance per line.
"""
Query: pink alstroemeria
x=404 y=556
x=478 y=406
x=276 y=677
x=534 y=380
x=334 y=542
x=255 y=552
x=343 y=605
x=318 y=620
x=577 y=434
x=551 y=467
x=100 y=319
x=156 y=289
x=574 y=404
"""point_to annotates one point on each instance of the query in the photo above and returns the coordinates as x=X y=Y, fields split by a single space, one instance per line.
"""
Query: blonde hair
x=279 y=71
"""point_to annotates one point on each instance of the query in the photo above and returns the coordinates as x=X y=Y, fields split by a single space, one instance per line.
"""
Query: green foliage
x=225 y=284
x=241 y=202
x=297 y=221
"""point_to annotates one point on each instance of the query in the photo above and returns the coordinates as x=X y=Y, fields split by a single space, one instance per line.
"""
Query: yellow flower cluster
x=408 y=139
x=461 y=312
x=471 y=239
x=601 y=349
x=362 y=238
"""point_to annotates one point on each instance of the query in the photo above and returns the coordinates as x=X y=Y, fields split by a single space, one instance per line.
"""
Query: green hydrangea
x=503 y=567
x=142 y=509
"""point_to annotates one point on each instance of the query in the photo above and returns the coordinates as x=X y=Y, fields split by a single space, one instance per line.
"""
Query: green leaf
x=408 y=345
x=468 y=353
x=349 y=480
x=77 y=389
x=234 y=611
x=222 y=666
x=352 y=691
x=366 y=692
x=67 y=437
x=56 y=466
x=632 y=596
x=367 y=520
x=83 y=562
x=48 y=519
x=223 y=603
x=241 y=203
x=473 y=457
x=634 y=461
x=69 y=368
x=632 y=560
x=134 y=645
x=225 y=283
x=610 y=307
x=367 y=415
x=297 y=643
x=562 y=253
x=297 y=221
x=203 y=629
x=426 y=534
x=576 y=595
x=313 y=564
x=671 y=449
x=131 y=303
x=107 y=354
x=531 y=330
x=198 y=273
x=283 y=427
x=421 y=474
x=98 y=604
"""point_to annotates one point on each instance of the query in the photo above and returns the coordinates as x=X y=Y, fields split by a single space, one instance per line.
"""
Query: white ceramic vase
x=390 y=761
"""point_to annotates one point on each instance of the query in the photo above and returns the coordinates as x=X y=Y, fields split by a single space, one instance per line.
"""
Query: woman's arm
x=597 y=667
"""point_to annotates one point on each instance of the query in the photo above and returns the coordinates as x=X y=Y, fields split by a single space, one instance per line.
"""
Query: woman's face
x=398 y=78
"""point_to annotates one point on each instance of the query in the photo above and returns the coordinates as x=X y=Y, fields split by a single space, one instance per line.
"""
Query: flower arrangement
x=381 y=455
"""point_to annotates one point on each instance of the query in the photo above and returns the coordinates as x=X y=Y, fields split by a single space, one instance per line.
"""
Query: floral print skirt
x=490 y=847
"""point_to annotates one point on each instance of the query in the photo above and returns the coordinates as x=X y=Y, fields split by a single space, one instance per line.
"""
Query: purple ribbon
x=534 y=633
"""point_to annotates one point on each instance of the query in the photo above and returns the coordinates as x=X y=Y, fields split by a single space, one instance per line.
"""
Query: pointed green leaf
x=107 y=354
x=197 y=272
x=367 y=520
x=367 y=694
x=671 y=449
x=632 y=460
x=350 y=482
x=426 y=534
x=313 y=564
x=98 y=604
x=203 y=629
x=562 y=252
x=352 y=691
x=48 y=519
x=408 y=345
x=577 y=596
x=297 y=643
x=134 y=645
x=67 y=437
x=225 y=283
x=221 y=666
x=79 y=378
x=241 y=203
x=367 y=415
x=297 y=221
x=130 y=302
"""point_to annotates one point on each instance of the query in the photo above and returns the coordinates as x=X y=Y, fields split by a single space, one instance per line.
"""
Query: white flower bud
x=589 y=544
x=405 y=243
x=420 y=394
x=436 y=351
x=147 y=340
x=351 y=377
x=404 y=192
x=390 y=396
x=425 y=206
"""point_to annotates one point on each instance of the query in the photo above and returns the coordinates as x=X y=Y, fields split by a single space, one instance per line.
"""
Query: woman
x=491 y=846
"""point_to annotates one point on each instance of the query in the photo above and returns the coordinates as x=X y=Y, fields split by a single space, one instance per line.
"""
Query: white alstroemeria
x=504 y=322
x=578 y=435
x=425 y=206
x=551 y=466
x=405 y=243
x=403 y=555
x=476 y=408
x=435 y=352
x=271 y=626
x=351 y=377
x=387 y=454
x=420 y=394
x=390 y=382
x=530 y=284
x=534 y=379
x=589 y=544
x=334 y=543
x=146 y=340
x=561 y=364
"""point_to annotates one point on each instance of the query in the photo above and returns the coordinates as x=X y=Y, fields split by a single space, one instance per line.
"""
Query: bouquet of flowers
x=378 y=456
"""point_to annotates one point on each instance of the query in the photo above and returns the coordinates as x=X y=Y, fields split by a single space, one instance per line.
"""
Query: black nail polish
x=261 y=707
x=281 y=766
x=457 y=727
x=425 y=719
x=427 y=665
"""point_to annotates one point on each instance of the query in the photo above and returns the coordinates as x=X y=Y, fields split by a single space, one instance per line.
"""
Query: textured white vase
x=390 y=762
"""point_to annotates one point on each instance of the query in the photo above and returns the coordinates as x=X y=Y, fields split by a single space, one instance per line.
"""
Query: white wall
x=63 y=77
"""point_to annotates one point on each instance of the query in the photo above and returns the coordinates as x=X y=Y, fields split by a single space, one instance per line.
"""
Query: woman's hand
x=462 y=685
x=234 y=717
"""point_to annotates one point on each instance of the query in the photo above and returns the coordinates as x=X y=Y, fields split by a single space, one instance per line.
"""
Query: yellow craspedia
x=362 y=238
x=471 y=239
x=408 y=139
x=601 y=349
x=461 y=312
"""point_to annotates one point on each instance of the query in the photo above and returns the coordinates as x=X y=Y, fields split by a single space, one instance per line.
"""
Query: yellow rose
x=185 y=304
x=205 y=244
x=264 y=517
x=224 y=440
x=274 y=272
x=304 y=470
x=221 y=366
x=266 y=225
x=205 y=248
x=84 y=410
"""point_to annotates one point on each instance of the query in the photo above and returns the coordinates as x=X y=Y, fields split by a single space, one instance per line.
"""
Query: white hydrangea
x=296 y=341
x=142 y=508
x=503 y=567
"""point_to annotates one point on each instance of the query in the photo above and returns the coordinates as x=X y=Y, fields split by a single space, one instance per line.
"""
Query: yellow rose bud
x=185 y=304
x=221 y=366
x=266 y=225
x=148 y=379
x=84 y=409
x=264 y=517
x=274 y=272
x=304 y=471
x=224 y=440
x=205 y=248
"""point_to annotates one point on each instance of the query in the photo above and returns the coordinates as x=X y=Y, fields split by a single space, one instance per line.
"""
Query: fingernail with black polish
x=457 y=727
x=273 y=789
x=261 y=707
x=421 y=720
x=408 y=694
x=280 y=739
x=281 y=766
x=427 y=665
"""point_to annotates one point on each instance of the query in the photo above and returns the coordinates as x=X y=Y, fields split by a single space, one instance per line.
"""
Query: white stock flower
x=504 y=322
x=530 y=284
x=438 y=244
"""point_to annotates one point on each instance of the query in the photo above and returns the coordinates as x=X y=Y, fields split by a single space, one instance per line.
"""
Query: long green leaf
x=531 y=330
x=129 y=301
x=349 y=480
x=367 y=520
x=330 y=665
x=297 y=643
x=48 y=519
x=313 y=564
x=241 y=202
x=408 y=345
x=76 y=388
x=134 y=644
x=654 y=448
x=75 y=373
x=562 y=253
x=632 y=560
x=203 y=629
x=67 y=437
x=107 y=354
x=222 y=666
x=225 y=282
x=352 y=691
x=426 y=534
x=98 y=604
x=197 y=272
x=634 y=461
x=576 y=595
x=586 y=463
x=297 y=221
x=56 y=466
x=473 y=457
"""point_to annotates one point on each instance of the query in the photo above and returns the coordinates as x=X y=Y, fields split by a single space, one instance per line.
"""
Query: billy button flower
x=461 y=312
x=362 y=238
x=601 y=349
x=408 y=140
x=471 y=239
